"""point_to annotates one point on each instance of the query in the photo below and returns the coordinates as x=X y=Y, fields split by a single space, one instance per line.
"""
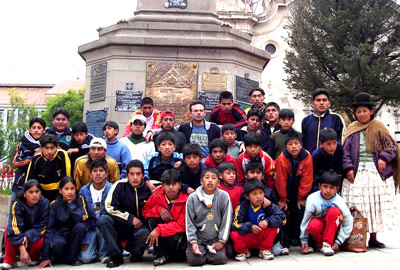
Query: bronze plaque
x=214 y=81
x=172 y=86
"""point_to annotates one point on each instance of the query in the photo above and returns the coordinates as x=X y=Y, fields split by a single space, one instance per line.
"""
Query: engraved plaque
x=176 y=4
x=127 y=101
x=243 y=88
x=98 y=82
x=210 y=99
x=172 y=86
x=214 y=81
x=95 y=120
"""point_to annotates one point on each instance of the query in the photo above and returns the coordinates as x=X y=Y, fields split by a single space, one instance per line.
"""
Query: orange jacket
x=156 y=121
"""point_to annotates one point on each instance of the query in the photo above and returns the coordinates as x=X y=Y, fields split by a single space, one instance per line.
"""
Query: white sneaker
x=242 y=257
x=284 y=251
x=106 y=259
x=327 y=249
x=266 y=255
x=7 y=266
x=125 y=253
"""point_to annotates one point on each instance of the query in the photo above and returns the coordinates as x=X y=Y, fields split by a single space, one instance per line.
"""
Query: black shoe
x=376 y=244
x=115 y=261
x=77 y=263
x=135 y=259
x=160 y=260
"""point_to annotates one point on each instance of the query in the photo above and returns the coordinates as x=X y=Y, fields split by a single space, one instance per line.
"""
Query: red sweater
x=154 y=205
x=209 y=162
x=266 y=161
x=234 y=193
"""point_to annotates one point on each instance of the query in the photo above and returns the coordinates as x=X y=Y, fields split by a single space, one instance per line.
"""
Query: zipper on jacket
x=319 y=126
x=137 y=204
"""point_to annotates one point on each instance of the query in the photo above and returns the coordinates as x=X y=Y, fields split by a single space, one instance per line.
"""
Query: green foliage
x=72 y=101
x=346 y=47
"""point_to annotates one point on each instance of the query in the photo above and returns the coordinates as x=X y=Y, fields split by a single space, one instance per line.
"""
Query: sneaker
x=125 y=253
x=115 y=261
x=150 y=250
x=7 y=266
x=160 y=260
x=266 y=255
x=327 y=249
x=106 y=259
x=284 y=251
x=242 y=256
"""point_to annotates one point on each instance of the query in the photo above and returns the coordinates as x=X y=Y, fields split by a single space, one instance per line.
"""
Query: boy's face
x=97 y=152
x=135 y=176
x=98 y=175
x=321 y=104
x=210 y=182
x=192 y=161
x=168 y=122
x=229 y=136
x=110 y=132
x=80 y=137
x=329 y=146
x=271 y=114
x=255 y=174
x=293 y=147
x=286 y=123
x=253 y=150
x=256 y=197
x=147 y=110
x=36 y=130
x=171 y=190
x=257 y=99
x=328 y=190
x=49 y=150
x=253 y=123
x=197 y=112
x=166 y=148
x=138 y=127
x=226 y=105
x=228 y=177
x=60 y=122
x=218 y=155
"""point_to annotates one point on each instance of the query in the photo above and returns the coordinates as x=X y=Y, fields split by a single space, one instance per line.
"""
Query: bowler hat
x=362 y=99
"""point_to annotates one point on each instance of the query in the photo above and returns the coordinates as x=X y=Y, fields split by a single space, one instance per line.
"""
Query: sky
x=39 y=39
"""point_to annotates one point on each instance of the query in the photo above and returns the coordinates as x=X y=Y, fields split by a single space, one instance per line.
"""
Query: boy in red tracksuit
x=165 y=212
x=293 y=181
x=218 y=154
x=227 y=176
x=252 y=143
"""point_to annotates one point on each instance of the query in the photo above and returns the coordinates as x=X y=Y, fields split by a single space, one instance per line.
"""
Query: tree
x=72 y=101
x=346 y=47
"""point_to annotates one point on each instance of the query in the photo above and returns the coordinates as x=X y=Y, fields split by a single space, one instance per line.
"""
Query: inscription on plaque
x=214 y=81
x=98 y=80
x=172 y=86
x=128 y=101
x=243 y=88
x=95 y=120
x=210 y=99
x=176 y=4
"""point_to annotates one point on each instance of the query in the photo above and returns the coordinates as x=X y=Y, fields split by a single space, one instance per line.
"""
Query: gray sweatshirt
x=208 y=225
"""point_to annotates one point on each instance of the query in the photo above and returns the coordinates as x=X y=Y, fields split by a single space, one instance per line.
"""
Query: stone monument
x=173 y=51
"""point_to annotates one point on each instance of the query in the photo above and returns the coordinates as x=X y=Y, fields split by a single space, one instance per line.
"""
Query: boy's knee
x=219 y=257
x=87 y=257
x=334 y=212
x=81 y=227
x=102 y=220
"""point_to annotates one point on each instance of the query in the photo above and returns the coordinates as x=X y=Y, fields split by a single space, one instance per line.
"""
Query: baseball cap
x=166 y=113
x=138 y=117
x=98 y=142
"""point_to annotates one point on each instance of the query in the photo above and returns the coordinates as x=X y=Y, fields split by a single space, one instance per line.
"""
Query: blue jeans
x=96 y=248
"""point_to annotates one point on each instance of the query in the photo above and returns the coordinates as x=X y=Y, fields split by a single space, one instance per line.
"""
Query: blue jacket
x=64 y=140
x=120 y=152
x=313 y=124
x=25 y=221
x=273 y=215
x=154 y=167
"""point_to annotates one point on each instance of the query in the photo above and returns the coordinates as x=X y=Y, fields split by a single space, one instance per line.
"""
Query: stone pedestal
x=164 y=52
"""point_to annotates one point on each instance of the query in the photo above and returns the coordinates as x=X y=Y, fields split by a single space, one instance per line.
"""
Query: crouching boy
x=208 y=220
x=254 y=225
x=165 y=213
x=327 y=217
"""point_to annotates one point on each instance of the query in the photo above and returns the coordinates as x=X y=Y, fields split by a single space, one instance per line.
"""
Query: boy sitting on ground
x=193 y=166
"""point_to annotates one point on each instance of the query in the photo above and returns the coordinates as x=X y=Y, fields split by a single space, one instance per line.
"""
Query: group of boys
x=238 y=197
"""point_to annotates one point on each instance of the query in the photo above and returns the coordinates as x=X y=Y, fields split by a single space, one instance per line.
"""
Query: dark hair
x=224 y=166
x=62 y=111
x=37 y=120
x=28 y=184
x=170 y=176
x=256 y=89
x=225 y=95
x=252 y=138
x=65 y=180
x=253 y=166
x=370 y=107
x=79 y=127
x=331 y=178
x=320 y=91
x=45 y=139
x=134 y=164
x=327 y=134
x=227 y=127
x=218 y=142
x=274 y=104
x=111 y=124
x=209 y=169
x=191 y=149
x=98 y=163
x=286 y=113
x=195 y=102
x=146 y=100
x=292 y=135
x=164 y=136
x=252 y=184
x=255 y=112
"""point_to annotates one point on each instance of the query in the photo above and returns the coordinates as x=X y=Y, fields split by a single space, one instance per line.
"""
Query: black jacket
x=64 y=140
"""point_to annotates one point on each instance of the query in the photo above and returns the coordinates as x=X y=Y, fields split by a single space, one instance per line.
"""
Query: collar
x=322 y=115
x=255 y=209
x=52 y=157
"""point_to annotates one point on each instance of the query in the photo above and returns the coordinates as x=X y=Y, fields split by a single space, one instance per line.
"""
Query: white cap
x=98 y=142
x=138 y=117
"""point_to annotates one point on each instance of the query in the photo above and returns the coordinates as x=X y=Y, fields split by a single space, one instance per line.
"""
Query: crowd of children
x=79 y=199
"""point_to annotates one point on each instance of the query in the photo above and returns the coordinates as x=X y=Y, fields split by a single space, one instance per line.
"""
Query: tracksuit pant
x=324 y=229
x=262 y=241
x=206 y=256
x=291 y=230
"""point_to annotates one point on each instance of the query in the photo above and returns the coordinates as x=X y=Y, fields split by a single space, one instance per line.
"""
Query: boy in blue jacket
x=255 y=226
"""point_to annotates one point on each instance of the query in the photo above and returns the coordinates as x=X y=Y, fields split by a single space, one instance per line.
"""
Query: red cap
x=167 y=112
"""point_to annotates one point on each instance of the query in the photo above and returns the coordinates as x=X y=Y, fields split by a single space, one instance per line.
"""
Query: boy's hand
x=24 y=255
x=282 y=205
x=255 y=229
x=149 y=136
x=177 y=165
x=25 y=242
x=301 y=203
x=218 y=246
x=165 y=215
x=72 y=150
x=152 y=238
x=350 y=176
x=335 y=247
x=45 y=263
x=190 y=191
x=381 y=165
x=136 y=223
x=84 y=247
x=263 y=224
x=266 y=202
x=196 y=249
x=150 y=186
x=304 y=248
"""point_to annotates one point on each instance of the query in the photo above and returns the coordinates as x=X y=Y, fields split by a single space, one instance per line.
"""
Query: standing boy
x=228 y=134
x=227 y=175
x=80 y=142
x=193 y=166
x=228 y=112
x=208 y=220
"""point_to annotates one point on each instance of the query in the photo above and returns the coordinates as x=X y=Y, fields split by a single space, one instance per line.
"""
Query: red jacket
x=209 y=162
x=304 y=175
x=266 y=161
x=236 y=116
x=156 y=121
x=154 y=205
x=234 y=193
